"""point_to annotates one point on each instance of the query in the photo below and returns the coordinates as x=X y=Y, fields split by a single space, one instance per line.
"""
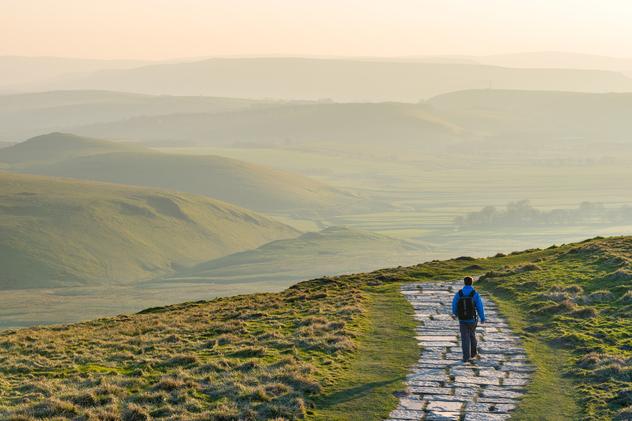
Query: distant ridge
x=29 y=114
x=252 y=186
x=546 y=114
x=337 y=79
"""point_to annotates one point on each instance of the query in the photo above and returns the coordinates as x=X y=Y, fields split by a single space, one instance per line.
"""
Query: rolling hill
x=445 y=122
x=26 y=115
x=55 y=147
x=337 y=79
x=333 y=348
x=252 y=186
x=57 y=232
x=334 y=250
x=548 y=115
x=289 y=125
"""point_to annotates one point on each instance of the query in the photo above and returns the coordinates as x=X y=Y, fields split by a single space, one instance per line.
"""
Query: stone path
x=441 y=386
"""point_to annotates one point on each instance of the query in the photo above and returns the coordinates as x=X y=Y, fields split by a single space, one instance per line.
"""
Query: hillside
x=445 y=122
x=539 y=115
x=337 y=79
x=333 y=348
x=55 y=147
x=252 y=186
x=26 y=115
x=289 y=125
x=334 y=250
x=57 y=232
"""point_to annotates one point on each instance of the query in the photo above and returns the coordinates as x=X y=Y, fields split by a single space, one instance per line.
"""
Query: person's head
x=468 y=280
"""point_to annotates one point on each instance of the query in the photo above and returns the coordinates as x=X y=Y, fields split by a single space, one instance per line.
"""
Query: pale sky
x=166 y=29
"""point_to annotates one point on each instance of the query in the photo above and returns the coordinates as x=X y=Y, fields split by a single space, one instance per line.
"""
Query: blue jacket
x=478 y=302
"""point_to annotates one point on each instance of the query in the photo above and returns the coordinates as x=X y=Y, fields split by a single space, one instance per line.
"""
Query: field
x=422 y=195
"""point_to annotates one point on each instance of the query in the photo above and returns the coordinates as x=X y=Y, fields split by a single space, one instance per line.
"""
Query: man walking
x=467 y=306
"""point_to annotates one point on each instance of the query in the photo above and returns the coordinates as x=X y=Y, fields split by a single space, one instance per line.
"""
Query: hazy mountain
x=27 y=115
x=334 y=250
x=348 y=124
x=542 y=115
x=338 y=79
x=20 y=72
x=58 y=232
x=444 y=123
x=252 y=186
x=560 y=60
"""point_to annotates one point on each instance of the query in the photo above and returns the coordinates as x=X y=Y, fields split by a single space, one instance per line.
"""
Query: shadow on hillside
x=352 y=393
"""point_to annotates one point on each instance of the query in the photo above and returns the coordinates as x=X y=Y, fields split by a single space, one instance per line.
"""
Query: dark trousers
x=468 y=339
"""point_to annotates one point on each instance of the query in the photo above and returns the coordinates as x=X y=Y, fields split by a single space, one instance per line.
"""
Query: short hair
x=468 y=280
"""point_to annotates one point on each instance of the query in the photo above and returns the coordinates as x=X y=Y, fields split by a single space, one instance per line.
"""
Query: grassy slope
x=252 y=186
x=347 y=343
x=58 y=231
x=53 y=147
x=331 y=251
x=365 y=390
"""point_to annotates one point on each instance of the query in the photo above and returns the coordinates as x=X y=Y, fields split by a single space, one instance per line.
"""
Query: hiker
x=467 y=306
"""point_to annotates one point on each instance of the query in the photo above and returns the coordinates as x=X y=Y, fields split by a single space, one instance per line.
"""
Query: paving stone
x=498 y=400
x=466 y=392
x=500 y=394
x=432 y=390
x=477 y=380
x=434 y=338
x=442 y=416
x=490 y=372
x=442 y=361
x=478 y=407
x=407 y=414
x=447 y=398
x=485 y=416
x=515 y=382
x=444 y=406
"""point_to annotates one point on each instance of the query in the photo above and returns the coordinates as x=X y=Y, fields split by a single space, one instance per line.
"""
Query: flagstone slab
x=485 y=416
x=444 y=406
x=442 y=416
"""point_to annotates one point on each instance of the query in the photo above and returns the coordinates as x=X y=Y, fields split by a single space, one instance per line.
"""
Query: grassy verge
x=550 y=396
x=386 y=350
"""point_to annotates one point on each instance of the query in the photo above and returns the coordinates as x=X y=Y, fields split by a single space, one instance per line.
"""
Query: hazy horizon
x=150 y=30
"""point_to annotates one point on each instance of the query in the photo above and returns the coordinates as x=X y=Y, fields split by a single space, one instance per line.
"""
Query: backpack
x=465 y=306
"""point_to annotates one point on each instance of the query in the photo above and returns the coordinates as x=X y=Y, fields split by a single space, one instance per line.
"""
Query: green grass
x=550 y=396
x=386 y=350
x=59 y=232
x=333 y=348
